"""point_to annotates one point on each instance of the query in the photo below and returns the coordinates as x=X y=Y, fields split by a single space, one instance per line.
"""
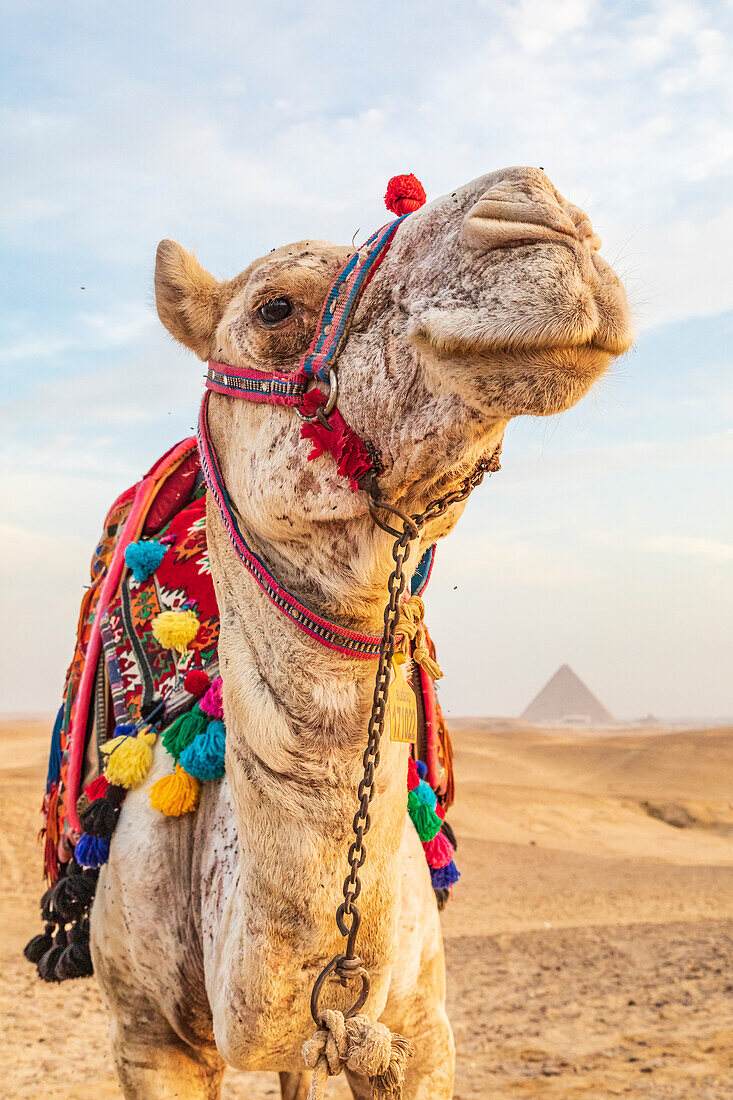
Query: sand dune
x=589 y=941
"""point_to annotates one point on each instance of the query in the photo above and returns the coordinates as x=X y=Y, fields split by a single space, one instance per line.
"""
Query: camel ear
x=188 y=298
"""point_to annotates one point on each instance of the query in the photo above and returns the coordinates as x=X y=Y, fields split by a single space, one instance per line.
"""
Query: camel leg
x=294 y=1086
x=155 y=1064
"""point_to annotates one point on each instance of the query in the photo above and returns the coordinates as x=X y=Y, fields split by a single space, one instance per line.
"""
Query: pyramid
x=565 y=698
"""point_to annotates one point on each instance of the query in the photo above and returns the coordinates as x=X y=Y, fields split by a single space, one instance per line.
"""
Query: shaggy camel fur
x=208 y=931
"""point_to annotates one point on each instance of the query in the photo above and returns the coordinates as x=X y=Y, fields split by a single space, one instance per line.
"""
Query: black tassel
x=75 y=961
x=99 y=818
x=442 y=897
x=153 y=712
x=79 y=932
x=39 y=945
x=48 y=913
x=72 y=896
x=47 y=963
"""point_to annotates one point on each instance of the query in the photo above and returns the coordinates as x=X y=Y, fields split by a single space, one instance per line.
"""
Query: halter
x=323 y=425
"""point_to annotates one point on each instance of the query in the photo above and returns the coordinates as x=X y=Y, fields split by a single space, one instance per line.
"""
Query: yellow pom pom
x=128 y=759
x=175 y=794
x=175 y=629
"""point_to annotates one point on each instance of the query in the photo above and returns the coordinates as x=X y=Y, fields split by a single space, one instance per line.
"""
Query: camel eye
x=275 y=310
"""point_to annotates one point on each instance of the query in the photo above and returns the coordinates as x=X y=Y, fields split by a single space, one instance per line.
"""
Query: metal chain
x=347 y=965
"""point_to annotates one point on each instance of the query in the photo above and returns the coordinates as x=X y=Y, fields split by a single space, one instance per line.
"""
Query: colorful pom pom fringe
x=204 y=757
x=175 y=629
x=213 y=702
x=128 y=757
x=175 y=795
x=97 y=788
x=143 y=558
x=404 y=194
x=91 y=851
x=443 y=878
x=181 y=733
x=196 y=682
x=439 y=851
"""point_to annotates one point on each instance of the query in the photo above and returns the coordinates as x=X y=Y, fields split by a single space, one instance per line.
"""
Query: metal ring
x=320 y=981
x=324 y=411
x=377 y=504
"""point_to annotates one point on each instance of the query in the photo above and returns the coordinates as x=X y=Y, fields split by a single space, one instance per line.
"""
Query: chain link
x=348 y=965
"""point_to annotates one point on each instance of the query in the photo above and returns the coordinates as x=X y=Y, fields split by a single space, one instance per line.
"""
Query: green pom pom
x=181 y=733
x=423 y=817
x=425 y=793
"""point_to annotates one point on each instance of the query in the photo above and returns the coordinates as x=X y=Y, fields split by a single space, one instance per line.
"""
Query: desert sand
x=589 y=941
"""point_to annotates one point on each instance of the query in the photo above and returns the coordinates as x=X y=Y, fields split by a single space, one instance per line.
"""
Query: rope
x=367 y=1048
x=410 y=625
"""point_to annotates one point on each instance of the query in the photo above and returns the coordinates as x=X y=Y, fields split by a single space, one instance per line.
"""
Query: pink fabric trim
x=144 y=496
x=212 y=472
x=431 y=731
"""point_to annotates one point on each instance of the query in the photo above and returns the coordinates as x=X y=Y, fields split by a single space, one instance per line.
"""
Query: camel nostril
x=524 y=209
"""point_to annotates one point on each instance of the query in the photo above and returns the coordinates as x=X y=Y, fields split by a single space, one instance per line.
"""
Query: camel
x=209 y=930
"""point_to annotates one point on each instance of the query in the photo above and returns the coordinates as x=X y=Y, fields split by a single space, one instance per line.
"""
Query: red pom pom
x=404 y=194
x=196 y=682
x=412 y=776
x=96 y=789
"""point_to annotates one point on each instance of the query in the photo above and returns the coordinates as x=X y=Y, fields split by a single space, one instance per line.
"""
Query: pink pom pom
x=439 y=851
x=212 y=703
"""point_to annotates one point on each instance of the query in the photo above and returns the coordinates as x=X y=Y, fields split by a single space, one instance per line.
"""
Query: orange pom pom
x=404 y=194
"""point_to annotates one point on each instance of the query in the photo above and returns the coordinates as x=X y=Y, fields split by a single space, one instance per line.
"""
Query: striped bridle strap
x=254 y=385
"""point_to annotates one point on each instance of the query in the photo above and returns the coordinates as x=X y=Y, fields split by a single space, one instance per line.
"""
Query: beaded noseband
x=323 y=423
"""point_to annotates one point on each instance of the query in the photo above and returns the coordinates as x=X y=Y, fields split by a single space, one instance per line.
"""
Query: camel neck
x=297 y=716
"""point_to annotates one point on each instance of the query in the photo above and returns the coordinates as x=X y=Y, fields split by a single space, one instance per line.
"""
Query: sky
x=607 y=539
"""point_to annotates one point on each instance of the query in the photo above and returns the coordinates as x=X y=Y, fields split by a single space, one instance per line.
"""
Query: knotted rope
x=361 y=1045
x=410 y=625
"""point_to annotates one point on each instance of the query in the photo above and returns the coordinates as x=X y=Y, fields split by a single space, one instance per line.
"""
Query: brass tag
x=402 y=708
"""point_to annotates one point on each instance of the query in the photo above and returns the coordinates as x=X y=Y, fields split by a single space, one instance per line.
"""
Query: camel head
x=491 y=303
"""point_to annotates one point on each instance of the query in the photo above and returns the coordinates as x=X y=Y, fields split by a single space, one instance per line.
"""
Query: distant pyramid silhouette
x=566 y=697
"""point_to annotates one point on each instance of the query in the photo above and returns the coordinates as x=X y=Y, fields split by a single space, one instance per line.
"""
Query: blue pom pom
x=125 y=729
x=143 y=558
x=425 y=793
x=91 y=851
x=422 y=769
x=443 y=877
x=204 y=757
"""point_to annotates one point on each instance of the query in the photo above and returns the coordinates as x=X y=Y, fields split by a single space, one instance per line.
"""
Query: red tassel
x=404 y=195
x=352 y=457
x=412 y=774
x=97 y=788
